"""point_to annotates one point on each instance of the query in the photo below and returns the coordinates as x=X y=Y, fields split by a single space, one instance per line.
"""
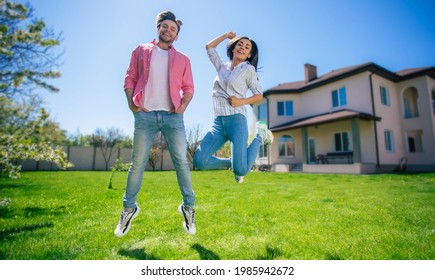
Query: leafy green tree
x=27 y=54
x=22 y=137
x=27 y=60
x=78 y=139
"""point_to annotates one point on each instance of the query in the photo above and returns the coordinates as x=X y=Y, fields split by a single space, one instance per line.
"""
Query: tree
x=155 y=156
x=156 y=152
x=119 y=166
x=27 y=56
x=225 y=150
x=194 y=136
x=27 y=59
x=77 y=139
x=106 y=140
x=22 y=137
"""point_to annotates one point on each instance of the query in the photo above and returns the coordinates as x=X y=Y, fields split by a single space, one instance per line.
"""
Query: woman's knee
x=198 y=160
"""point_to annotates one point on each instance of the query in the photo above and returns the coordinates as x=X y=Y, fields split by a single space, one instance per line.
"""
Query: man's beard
x=166 y=41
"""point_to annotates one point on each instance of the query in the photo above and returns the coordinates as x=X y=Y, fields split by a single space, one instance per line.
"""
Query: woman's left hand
x=235 y=102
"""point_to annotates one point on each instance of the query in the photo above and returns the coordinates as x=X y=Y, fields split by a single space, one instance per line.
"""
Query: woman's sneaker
x=239 y=179
x=124 y=224
x=189 y=219
x=265 y=134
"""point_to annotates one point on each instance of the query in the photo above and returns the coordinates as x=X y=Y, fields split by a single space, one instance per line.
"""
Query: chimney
x=310 y=72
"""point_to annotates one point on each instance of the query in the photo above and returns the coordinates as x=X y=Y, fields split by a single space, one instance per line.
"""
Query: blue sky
x=99 y=36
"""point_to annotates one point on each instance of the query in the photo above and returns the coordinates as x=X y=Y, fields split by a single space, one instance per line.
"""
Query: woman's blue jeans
x=146 y=126
x=235 y=129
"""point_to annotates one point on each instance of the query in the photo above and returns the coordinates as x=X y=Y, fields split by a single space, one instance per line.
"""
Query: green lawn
x=72 y=215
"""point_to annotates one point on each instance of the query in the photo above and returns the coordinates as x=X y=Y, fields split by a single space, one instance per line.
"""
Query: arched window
x=286 y=146
x=410 y=98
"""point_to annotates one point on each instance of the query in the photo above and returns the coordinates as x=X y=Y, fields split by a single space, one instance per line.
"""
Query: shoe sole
x=185 y=220
x=129 y=224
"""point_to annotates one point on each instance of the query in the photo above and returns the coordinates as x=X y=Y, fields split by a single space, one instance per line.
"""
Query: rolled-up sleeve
x=187 y=83
x=132 y=75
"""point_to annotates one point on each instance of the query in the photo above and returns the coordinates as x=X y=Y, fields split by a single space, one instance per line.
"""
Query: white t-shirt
x=157 y=97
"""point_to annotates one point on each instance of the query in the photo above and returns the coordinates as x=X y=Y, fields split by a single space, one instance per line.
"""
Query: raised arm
x=216 y=41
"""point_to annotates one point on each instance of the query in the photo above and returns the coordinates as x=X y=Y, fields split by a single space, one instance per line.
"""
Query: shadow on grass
x=138 y=254
x=10 y=233
x=204 y=253
x=31 y=212
x=333 y=257
x=271 y=254
x=10 y=185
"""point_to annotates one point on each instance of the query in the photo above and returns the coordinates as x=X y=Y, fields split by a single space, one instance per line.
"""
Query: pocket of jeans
x=180 y=116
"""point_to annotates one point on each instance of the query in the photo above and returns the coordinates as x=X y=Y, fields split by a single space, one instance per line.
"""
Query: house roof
x=415 y=72
x=335 y=75
x=324 y=118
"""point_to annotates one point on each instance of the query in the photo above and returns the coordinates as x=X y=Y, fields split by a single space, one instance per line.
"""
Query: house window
x=339 y=97
x=264 y=151
x=285 y=108
x=389 y=140
x=286 y=146
x=262 y=111
x=415 y=144
x=433 y=101
x=341 y=141
x=385 y=96
x=410 y=98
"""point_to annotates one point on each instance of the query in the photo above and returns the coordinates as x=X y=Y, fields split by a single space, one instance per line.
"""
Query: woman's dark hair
x=168 y=15
x=253 y=60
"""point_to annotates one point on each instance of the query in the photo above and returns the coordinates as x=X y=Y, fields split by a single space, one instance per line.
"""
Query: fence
x=92 y=158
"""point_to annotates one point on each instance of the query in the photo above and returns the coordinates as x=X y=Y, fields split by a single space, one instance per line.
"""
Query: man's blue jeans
x=235 y=129
x=146 y=126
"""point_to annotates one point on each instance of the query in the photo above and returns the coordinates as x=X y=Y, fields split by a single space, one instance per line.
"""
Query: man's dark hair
x=168 y=15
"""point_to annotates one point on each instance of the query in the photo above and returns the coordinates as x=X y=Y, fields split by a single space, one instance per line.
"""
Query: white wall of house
x=424 y=124
x=274 y=149
x=391 y=116
x=368 y=145
x=273 y=112
x=357 y=91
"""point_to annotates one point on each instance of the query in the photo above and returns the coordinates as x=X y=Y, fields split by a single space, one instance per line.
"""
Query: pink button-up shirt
x=180 y=74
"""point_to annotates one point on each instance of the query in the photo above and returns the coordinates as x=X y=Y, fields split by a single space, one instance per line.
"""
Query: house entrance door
x=311 y=150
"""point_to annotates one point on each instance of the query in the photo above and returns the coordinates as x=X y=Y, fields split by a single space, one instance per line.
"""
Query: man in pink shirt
x=156 y=75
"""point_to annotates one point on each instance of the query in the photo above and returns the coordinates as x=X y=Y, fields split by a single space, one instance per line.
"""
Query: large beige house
x=359 y=119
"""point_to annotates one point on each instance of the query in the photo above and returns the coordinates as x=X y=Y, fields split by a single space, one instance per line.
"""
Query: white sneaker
x=265 y=134
x=239 y=179
x=124 y=224
x=189 y=219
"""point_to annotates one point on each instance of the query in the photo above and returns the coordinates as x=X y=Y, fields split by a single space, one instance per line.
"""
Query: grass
x=72 y=215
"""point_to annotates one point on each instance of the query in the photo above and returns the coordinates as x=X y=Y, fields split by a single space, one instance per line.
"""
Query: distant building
x=359 y=119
